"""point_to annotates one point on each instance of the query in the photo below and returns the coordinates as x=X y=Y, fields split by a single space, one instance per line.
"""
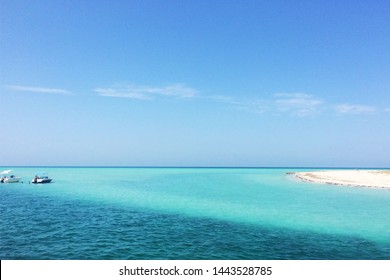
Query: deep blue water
x=189 y=213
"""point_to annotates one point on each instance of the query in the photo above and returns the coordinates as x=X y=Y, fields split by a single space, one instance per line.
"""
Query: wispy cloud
x=355 y=109
x=299 y=104
x=44 y=90
x=257 y=106
x=111 y=92
x=148 y=92
x=296 y=104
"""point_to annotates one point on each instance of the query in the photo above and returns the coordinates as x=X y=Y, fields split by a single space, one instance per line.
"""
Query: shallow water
x=189 y=213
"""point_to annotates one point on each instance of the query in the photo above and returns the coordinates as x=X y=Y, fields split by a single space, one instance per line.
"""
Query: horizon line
x=189 y=166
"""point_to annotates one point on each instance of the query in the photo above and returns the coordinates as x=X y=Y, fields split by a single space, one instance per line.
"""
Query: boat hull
x=41 y=181
x=10 y=180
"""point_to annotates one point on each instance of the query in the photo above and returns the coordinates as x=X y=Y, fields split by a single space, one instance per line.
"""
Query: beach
x=353 y=178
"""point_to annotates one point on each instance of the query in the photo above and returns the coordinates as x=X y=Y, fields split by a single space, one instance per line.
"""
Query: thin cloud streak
x=44 y=90
x=355 y=109
x=296 y=104
x=299 y=104
x=109 y=92
x=257 y=106
x=148 y=92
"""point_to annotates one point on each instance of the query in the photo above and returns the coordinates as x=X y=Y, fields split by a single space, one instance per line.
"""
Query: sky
x=195 y=83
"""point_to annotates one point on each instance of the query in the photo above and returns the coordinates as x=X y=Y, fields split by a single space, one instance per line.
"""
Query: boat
x=8 y=177
x=41 y=179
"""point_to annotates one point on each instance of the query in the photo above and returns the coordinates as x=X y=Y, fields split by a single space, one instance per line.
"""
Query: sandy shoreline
x=353 y=178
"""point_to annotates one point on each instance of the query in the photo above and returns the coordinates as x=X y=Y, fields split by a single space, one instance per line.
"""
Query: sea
x=128 y=213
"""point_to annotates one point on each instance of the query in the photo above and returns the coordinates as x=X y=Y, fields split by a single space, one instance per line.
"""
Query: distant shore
x=353 y=178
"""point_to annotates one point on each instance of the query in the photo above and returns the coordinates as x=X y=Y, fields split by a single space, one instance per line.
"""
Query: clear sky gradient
x=195 y=83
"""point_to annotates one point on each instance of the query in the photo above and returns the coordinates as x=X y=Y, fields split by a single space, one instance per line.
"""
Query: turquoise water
x=189 y=213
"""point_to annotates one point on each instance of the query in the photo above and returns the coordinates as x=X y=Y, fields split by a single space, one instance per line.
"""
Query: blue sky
x=195 y=83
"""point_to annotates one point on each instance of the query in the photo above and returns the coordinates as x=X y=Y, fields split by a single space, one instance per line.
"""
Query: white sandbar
x=354 y=178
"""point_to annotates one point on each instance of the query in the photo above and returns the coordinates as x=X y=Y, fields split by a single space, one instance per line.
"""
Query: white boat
x=41 y=179
x=8 y=177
